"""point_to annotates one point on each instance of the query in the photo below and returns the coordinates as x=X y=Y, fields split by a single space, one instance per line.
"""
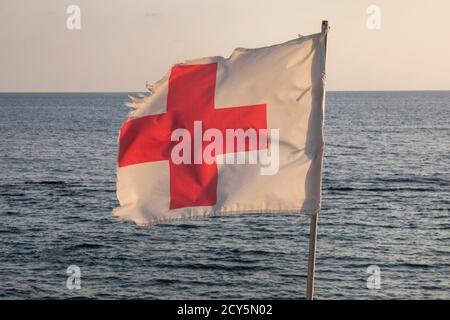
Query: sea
x=384 y=227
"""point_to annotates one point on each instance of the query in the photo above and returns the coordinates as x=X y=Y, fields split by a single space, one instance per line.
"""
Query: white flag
x=221 y=136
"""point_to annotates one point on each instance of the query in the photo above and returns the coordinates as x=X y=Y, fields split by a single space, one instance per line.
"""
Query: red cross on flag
x=219 y=136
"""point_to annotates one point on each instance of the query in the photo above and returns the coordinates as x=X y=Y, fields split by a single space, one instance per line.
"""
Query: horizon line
x=143 y=91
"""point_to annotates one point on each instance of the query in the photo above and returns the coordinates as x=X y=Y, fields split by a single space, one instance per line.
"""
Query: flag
x=223 y=136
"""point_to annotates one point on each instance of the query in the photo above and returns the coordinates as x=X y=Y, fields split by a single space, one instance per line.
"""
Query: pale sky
x=124 y=43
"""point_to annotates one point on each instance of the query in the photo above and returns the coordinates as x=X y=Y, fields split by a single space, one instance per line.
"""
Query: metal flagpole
x=314 y=219
x=312 y=256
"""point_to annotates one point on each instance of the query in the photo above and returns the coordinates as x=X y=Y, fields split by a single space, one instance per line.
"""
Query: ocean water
x=386 y=203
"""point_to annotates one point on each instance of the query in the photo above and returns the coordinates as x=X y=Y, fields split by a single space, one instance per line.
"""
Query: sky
x=121 y=44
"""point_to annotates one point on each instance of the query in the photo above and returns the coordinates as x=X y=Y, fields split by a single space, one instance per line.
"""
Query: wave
x=47 y=182
x=350 y=189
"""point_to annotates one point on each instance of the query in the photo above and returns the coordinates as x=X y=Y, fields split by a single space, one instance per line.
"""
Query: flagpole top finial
x=325 y=25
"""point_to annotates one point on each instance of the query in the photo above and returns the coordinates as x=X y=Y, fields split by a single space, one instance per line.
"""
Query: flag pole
x=314 y=219
x=312 y=256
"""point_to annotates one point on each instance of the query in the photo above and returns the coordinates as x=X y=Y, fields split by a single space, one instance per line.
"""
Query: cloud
x=149 y=14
